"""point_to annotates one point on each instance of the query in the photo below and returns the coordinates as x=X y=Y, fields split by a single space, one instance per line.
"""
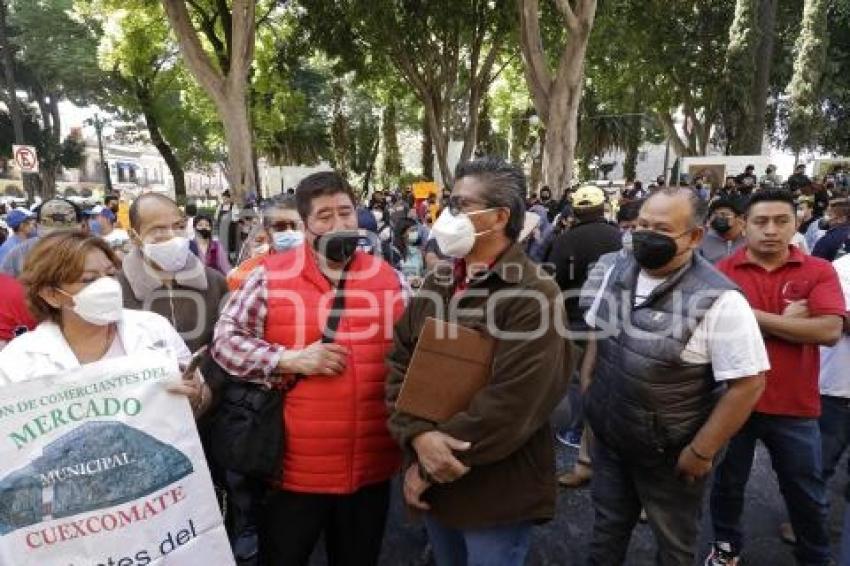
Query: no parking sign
x=25 y=158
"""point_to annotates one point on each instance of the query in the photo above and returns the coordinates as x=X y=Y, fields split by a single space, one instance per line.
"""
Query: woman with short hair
x=71 y=290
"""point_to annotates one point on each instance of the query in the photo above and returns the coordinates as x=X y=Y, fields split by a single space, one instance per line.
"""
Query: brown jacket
x=191 y=305
x=512 y=476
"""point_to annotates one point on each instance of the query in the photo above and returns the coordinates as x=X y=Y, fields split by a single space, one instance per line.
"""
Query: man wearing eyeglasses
x=161 y=275
x=486 y=475
x=281 y=231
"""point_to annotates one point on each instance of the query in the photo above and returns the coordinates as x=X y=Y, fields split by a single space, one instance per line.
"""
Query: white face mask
x=262 y=249
x=287 y=239
x=170 y=255
x=100 y=302
x=456 y=234
x=379 y=216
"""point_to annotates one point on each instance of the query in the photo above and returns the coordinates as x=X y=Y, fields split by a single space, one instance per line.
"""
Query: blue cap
x=17 y=217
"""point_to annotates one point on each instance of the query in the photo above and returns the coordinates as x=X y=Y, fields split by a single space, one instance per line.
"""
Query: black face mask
x=338 y=247
x=823 y=224
x=721 y=225
x=545 y=196
x=653 y=250
x=205 y=233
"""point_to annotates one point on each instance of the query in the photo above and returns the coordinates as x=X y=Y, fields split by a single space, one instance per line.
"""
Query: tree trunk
x=239 y=139
x=564 y=100
x=557 y=100
x=339 y=133
x=753 y=137
x=427 y=151
x=370 y=168
x=392 y=157
x=680 y=147
x=561 y=136
x=227 y=87
x=162 y=146
x=13 y=104
x=440 y=141
x=537 y=161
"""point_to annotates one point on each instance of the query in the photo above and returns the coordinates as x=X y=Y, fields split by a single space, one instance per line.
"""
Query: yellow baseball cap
x=587 y=196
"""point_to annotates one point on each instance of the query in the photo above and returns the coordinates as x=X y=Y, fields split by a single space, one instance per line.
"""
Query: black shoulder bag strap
x=332 y=325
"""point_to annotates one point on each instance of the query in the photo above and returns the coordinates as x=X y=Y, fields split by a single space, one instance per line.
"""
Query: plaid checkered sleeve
x=238 y=344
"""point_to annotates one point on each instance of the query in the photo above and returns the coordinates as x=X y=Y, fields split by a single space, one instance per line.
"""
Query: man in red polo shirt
x=799 y=306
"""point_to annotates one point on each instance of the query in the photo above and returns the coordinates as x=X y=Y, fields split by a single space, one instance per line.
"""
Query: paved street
x=564 y=541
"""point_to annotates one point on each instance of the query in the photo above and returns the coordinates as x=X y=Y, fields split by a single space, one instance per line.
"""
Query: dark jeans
x=620 y=488
x=795 y=449
x=496 y=546
x=353 y=526
x=835 y=434
x=244 y=497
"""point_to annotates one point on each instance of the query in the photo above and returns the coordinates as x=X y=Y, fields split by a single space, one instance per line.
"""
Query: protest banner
x=103 y=467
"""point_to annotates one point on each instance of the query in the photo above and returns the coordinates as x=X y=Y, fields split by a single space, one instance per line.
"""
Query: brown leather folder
x=450 y=364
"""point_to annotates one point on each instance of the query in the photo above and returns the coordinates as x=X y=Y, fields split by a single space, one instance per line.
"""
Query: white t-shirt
x=728 y=336
x=800 y=241
x=835 y=361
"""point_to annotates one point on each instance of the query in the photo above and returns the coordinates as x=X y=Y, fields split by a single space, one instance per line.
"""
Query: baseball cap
x=588 y=196
x=59 y=213
x=17 y=217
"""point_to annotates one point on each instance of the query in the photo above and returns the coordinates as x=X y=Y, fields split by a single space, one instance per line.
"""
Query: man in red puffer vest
x=339 y=456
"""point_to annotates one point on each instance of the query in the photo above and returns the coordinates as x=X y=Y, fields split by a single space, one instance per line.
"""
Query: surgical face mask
x=653 y=250
x=456 y=234
x=287 y=239
x=170 y=255
x=100 y=302
x=262 y=249
x=95 y=227
x=413 y=238
x=379 y=216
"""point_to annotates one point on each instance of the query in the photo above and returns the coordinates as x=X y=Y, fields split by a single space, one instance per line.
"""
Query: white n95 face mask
x=170 y=255
x=455 y=234
x=100 y=302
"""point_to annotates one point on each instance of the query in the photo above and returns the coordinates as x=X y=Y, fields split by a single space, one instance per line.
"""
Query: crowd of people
x=675 y=326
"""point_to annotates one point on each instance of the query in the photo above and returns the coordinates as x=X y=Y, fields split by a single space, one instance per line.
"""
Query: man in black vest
x=678 y=370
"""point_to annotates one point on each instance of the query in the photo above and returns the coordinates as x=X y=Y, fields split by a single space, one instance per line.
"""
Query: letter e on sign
x=25 y=158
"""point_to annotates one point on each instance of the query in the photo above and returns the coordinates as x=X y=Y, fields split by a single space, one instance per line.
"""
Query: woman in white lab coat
x=71 y=290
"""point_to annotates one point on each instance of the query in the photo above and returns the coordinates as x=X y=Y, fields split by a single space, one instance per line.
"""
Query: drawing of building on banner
x=97 y=465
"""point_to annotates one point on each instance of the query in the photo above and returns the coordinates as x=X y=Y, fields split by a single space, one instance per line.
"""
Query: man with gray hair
x=678 y=369
x=487 y=474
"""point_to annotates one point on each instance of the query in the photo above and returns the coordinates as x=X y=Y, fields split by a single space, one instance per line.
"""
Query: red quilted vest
x=336 y=427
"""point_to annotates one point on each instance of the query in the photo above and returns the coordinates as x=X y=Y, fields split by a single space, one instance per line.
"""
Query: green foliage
x=57 y=51
x=149 y=79
x=664 y=52
x=804 y=111
x=739 y=72
x=72 y=154
x=835 y=137
x=32 y=132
